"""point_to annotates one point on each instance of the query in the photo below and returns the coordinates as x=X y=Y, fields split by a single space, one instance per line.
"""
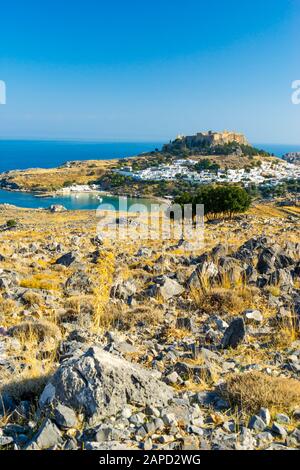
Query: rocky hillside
x=143 y=345
x=51 y=179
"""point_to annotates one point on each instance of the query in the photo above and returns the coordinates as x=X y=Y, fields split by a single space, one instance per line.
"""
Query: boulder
x=265 y=415
x=234 y=334
x=79 y=282
x=271 y=259
x=48 y=436
x=253 y=315
x=279 y=430
x=100 y=384
x=280 y=277
x=165 y=287
x=257 y=424
x=56 y=208
x=185 y=323
x=123 y=290
x=205 y=271
x=65 y=417
x=67 y=259
x=230 y=269
x=97 y=241
x=8 y=279
x=219 y=250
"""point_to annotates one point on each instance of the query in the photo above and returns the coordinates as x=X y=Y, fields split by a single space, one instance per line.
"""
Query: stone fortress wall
x=209 y=138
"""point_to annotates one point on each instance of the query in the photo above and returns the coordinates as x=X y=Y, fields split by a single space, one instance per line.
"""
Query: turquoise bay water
x=87 y=201
x=22 y=154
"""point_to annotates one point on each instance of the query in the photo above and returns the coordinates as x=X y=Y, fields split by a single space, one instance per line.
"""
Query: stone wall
x=209 y=138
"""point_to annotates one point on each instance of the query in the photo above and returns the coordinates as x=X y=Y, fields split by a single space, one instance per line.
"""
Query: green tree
x=218 y=200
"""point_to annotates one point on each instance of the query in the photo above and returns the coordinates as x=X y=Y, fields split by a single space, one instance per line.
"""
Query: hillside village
x=256 y=169
x=270 y=172
x=292 y=157
x=205 y=158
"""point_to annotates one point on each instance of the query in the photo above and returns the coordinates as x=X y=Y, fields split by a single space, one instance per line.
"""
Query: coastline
x=73 y=199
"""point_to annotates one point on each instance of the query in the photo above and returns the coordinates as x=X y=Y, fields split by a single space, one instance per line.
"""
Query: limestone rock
x=48 y=436
x=57 y=208
x=234 y=334
x=100 y=384
x=67 y=259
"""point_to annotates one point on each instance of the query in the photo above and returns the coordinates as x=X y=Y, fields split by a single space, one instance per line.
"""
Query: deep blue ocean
x=22 y=154
x=278 y=149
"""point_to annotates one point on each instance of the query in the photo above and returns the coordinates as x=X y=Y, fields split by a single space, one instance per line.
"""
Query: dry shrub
x=77 y=308
x=122 y=317
x=171 y=333
x=253 y=390
x=287 y=332
x=150 y=315
x=7 y=306
x=40 y=330
x=225 y=300
x=32 y=298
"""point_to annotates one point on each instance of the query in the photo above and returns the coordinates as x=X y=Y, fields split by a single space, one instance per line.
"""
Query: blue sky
x=147 y=70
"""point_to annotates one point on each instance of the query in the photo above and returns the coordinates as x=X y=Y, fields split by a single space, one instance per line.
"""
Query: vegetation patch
x=254 y=390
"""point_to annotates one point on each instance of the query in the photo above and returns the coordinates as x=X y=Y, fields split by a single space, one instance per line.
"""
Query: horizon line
x=116 y=140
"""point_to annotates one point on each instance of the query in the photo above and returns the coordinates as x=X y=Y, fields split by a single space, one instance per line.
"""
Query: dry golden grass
x=77 y=306
x=274 y=290
x=33 y=298
x=36 y=330
x=248 y=355
x=121 y=316
x=7 y=307
x=253 y=390
x=104 y=272
x=267 y=210
x=287 y=332
x=207 y=377
x=172 y=334
x=292 y=210
x=45 y=281
x=149 y=315
x=297 y=283
x=225 y=300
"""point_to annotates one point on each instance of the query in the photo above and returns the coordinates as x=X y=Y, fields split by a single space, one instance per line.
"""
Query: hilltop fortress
x=207 y=139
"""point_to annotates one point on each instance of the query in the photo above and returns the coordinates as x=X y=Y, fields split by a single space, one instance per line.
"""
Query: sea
x=23 y=154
